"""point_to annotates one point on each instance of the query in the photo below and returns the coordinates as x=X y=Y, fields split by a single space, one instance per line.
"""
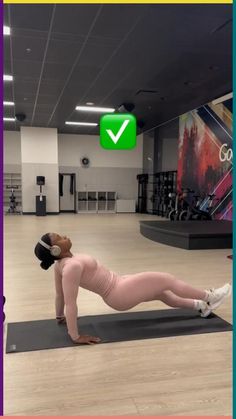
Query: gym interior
x=163 y=205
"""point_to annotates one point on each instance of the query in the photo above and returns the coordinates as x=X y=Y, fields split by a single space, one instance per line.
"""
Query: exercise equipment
x=191 y=205
x=173 y=213
x=171 y=204
x=188 y=207
x=13 y=204
x=181 y=204
x=194 y=211
x=164 y=184
x=118 y=327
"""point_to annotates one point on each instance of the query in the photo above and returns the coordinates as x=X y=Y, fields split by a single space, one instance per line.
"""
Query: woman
x=119 y=292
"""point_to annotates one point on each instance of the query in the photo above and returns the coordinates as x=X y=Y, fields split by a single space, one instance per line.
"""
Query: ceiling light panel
x=9 y=119
x=94 y=109
x=6 y=30
x=7 y=77
x=89 y=124
x=5 y=103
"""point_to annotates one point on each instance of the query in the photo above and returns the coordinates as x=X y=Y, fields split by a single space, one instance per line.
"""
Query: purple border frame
x=1 y=217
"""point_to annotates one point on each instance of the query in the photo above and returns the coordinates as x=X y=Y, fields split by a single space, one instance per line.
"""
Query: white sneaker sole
x=206 y=313
x=220 y=301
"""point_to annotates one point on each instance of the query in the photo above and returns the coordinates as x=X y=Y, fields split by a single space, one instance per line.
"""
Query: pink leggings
x=131 y=290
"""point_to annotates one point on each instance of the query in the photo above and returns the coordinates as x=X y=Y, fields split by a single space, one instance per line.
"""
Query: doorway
x=67 y=192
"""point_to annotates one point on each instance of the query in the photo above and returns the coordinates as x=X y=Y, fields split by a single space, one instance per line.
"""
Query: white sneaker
x=203 y=308
x=217 y=296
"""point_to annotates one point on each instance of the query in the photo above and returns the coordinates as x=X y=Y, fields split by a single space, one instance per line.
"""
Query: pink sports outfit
x=119 y=292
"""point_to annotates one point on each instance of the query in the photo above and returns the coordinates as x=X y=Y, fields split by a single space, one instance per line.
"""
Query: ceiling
x=68 y=54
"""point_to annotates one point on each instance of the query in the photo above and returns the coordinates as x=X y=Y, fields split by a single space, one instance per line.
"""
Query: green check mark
x=118 y=132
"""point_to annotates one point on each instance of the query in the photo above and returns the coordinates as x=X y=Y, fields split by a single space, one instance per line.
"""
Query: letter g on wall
x=225 y=154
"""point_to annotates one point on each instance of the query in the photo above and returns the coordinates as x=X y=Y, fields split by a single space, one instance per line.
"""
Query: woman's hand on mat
x=89 y=340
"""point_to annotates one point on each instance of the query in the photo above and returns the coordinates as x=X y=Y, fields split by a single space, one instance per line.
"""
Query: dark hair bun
x=45 y=264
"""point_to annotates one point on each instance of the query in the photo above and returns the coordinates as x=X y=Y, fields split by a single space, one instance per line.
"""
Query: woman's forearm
x=71 y=312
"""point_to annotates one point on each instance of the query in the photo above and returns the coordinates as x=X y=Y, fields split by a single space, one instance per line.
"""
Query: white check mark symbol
x=116 y=137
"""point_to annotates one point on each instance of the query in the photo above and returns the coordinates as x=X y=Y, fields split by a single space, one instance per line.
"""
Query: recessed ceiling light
x=6 y=30
x=94 y=109
x=8 y=103
x=9 y=119
x=89 y=124
x=28 y=50
x=90 y=103
x=7 y=77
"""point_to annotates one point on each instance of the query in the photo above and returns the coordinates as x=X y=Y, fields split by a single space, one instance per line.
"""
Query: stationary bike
x=193 y=205
x=174 y=211
x=170 y=204
x=195 y=213
x=207 y=213
x=182 y=202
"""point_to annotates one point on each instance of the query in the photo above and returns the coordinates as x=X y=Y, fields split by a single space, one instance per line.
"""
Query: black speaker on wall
x=40 y=180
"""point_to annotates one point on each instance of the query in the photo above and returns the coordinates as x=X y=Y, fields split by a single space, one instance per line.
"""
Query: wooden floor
x=189 y=375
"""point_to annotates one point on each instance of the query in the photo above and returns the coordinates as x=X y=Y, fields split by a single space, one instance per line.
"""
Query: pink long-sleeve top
x=84 y=271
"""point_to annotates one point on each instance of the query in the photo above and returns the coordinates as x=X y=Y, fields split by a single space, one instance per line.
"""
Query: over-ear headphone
x=54 y=250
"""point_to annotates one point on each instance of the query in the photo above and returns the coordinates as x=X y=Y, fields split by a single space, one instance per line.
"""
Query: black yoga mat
x=118 y=327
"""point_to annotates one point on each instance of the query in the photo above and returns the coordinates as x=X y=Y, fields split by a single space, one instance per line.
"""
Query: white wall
x=39 y=157
x=39 y=145
x=72 y=147
x=12 y=148
x=113 y=170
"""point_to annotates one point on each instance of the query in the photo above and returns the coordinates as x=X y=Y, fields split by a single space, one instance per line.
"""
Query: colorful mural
x=206 y=156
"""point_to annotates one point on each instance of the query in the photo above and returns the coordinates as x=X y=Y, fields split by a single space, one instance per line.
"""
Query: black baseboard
x=34 y=213
x=68 y=211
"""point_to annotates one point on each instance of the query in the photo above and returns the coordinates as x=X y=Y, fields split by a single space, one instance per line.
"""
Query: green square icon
x=118 y=131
